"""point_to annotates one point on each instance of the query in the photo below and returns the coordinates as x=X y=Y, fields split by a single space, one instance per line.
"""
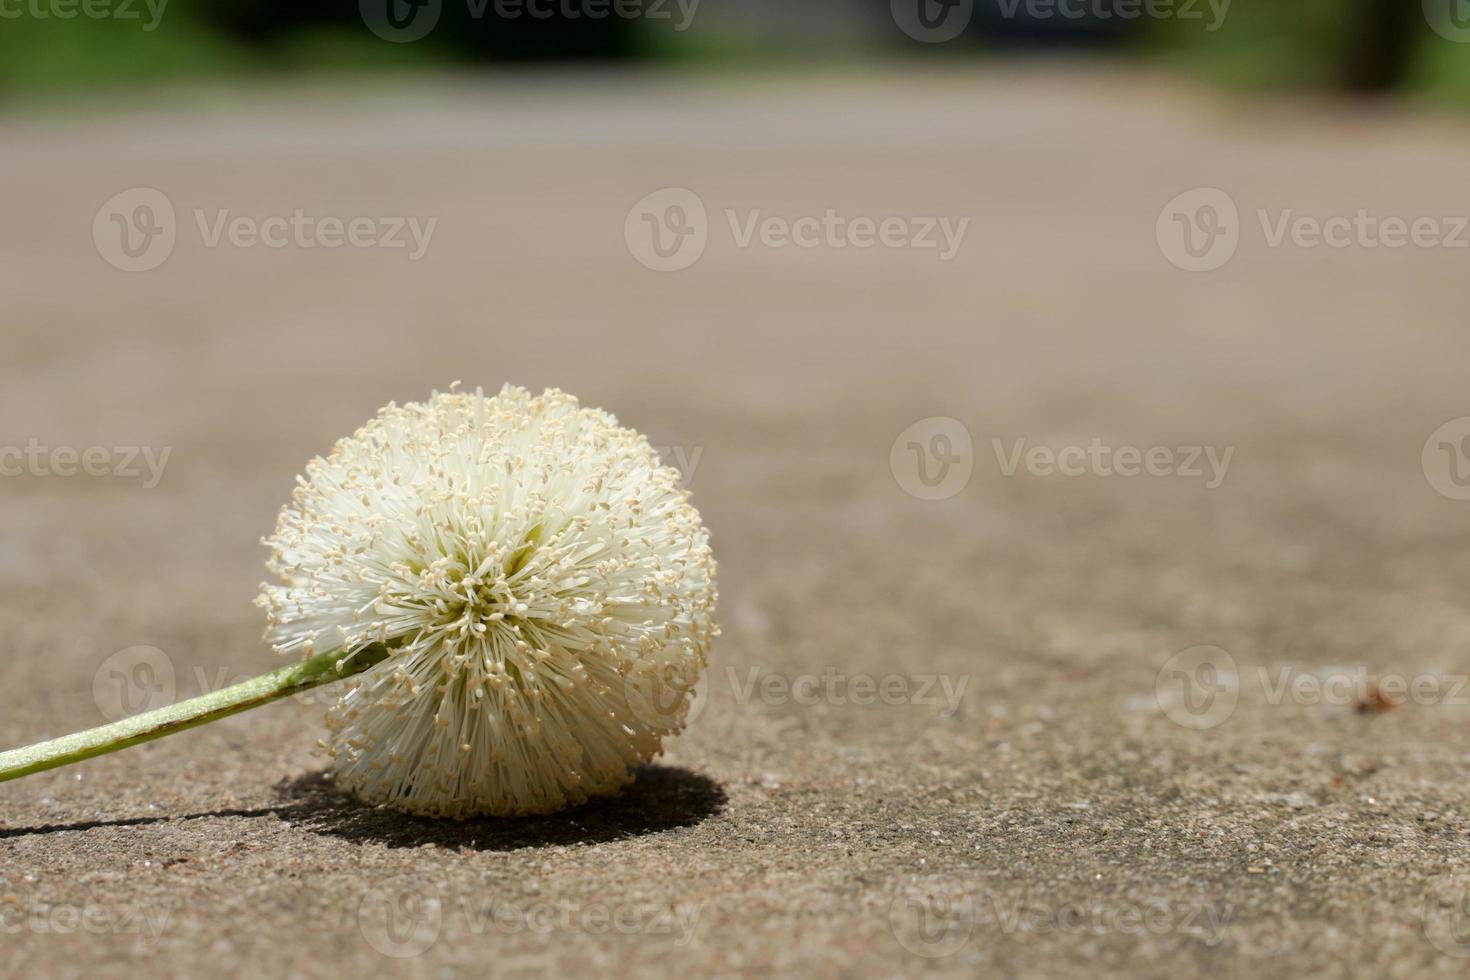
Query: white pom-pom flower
x=542 y=583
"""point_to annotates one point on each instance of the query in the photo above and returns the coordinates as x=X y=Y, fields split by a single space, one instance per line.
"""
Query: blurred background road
x=1078 y=406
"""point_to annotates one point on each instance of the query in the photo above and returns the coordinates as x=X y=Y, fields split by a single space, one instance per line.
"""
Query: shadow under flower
x=660 y=798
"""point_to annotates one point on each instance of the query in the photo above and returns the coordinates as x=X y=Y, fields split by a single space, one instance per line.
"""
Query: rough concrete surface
x=1042 y=788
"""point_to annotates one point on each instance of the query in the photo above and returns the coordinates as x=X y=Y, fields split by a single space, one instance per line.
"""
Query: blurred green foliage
x=1323 y=45
x=45 y=54
x=1261 y=44
x=177 y=42
x=1278 y=44
x=1442 y=73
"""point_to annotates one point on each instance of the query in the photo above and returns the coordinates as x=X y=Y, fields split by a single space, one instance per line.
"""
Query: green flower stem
x=318 y=670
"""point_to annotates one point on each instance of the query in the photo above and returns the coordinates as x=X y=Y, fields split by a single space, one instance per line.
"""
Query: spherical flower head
x=543 y=583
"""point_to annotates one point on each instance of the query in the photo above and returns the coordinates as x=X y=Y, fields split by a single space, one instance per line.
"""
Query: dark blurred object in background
x=464 y=30
x=1019 y=26
x=1381 y=49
